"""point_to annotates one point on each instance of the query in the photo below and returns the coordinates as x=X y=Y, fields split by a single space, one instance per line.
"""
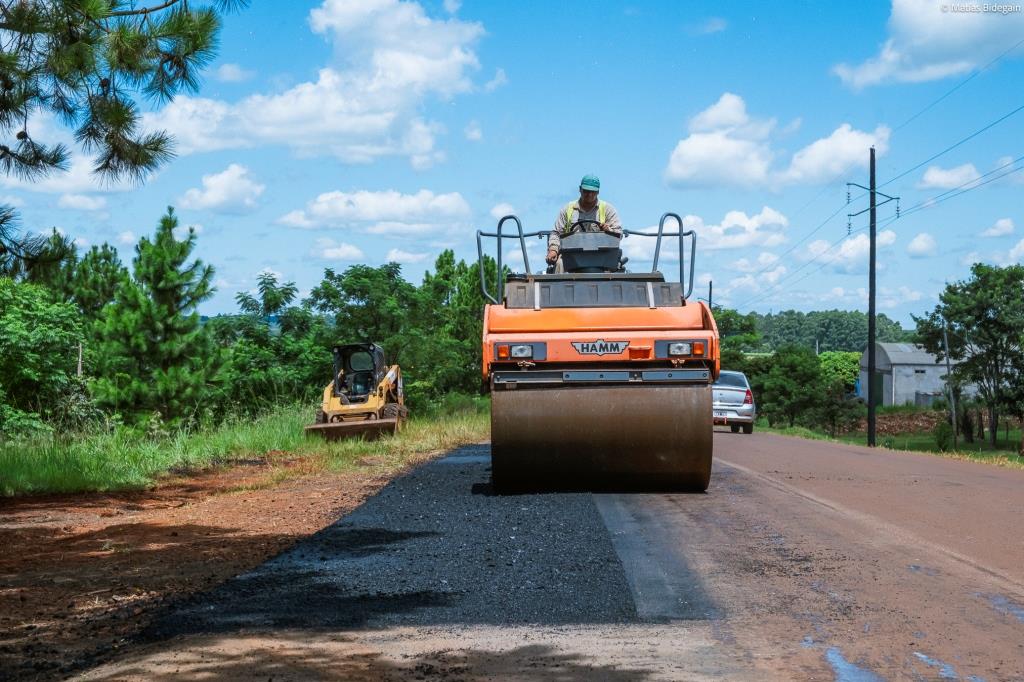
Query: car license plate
x=719 y=413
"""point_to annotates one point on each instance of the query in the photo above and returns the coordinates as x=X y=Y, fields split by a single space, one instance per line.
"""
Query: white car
x=733 y=402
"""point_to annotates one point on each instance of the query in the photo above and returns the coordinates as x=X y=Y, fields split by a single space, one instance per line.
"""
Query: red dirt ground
x=80 y=574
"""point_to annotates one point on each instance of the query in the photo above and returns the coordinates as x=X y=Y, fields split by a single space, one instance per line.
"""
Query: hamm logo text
x=600 y=347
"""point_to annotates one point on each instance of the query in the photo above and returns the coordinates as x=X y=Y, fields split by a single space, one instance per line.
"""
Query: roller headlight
x=521 y=350
x=680 y=348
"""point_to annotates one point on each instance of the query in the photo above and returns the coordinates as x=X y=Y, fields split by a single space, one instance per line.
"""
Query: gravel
x=433 y=547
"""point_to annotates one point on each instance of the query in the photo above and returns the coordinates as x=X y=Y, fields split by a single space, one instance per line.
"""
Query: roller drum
x=606 y=437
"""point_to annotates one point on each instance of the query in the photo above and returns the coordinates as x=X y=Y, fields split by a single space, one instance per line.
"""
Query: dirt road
x=805 y=560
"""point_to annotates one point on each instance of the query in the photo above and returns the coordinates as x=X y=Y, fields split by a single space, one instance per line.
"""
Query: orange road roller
x=599 y=378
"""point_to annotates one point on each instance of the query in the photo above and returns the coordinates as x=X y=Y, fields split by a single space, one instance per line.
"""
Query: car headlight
x=521 y=350
x=680 y=348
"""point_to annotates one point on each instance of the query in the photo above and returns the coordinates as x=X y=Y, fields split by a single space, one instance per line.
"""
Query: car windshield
x=731 y=379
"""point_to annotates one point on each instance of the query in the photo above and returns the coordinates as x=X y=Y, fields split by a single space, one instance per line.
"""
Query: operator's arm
x=611 y=221
x=555 y=239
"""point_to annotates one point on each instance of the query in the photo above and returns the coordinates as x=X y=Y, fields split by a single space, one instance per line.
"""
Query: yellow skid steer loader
x=364 y=398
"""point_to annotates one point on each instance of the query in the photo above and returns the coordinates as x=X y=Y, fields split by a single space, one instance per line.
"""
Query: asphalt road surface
x=805 y=560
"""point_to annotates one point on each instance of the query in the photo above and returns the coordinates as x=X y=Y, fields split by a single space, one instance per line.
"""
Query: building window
x=918 y=371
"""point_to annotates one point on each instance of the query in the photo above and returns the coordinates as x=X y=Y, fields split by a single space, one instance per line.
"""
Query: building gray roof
x=888 y=354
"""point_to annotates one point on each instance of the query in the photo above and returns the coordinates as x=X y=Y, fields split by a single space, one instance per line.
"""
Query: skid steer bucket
x=369 y=429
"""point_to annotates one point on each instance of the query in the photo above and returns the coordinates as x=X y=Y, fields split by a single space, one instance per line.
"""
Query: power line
x=954 y=145
x=958 y=86
x=963 y=188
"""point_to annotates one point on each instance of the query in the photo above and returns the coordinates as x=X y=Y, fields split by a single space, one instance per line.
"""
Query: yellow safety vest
x=574 y=205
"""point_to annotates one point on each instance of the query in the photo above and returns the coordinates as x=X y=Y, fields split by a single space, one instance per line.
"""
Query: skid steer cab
x=365 y=395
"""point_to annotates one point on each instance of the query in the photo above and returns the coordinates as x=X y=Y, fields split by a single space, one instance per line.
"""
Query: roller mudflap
x=601 y=437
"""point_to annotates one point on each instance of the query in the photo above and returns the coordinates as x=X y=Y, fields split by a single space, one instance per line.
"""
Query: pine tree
x=85 y=62
x=154 y=354
x=96 y=279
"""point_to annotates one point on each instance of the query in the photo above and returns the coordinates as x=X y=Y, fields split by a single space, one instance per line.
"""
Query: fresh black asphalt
x=434 y=547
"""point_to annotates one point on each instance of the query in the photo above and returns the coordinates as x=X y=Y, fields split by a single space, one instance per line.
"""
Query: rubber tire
x=735 y=428
x=395 y=411
x=748 y=429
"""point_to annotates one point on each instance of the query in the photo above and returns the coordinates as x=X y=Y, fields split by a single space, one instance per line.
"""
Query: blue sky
x=340 y=131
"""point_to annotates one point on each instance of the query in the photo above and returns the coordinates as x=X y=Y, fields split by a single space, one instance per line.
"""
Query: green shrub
x=943 y=433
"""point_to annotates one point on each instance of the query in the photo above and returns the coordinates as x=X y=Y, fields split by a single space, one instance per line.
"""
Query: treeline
x=87 y=340
x=818 y=330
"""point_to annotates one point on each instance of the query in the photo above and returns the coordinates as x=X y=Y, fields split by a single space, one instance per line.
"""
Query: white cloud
x=127 y=238
x=1007 y=164
x=81 y=202
x=729 y=112
x=400 y=256
x=391 y=58
x=81 y=242
x=893 y=298
x=386 y=208
x=230 y=191
x=707 y=159
x=233 y=73
x=499 y=79
x=922 y=246
x=948 y=178
x=764 y=260
x=1001 y=228
x=926 y=43
x=11 y=200
x=737 y=230
x=1016 y=254
x=452 y=6
x=328 y=249
x=831 y=157
x=709 y=26
x=501 y=210
x=727 y=147
x=473 y=132
x=852 y=254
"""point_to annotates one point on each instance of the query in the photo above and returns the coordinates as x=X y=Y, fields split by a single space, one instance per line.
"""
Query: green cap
x=591 y=183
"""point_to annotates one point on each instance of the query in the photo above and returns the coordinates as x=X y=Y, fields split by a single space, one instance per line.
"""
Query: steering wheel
x=578 y=226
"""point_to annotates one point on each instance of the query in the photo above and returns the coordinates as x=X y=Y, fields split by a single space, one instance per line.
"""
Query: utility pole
x=709 y=293
x=952 y=398
x=872 y=208
x=871 y=310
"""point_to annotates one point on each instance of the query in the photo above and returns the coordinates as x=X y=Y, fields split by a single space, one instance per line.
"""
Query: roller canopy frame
x=498 y=296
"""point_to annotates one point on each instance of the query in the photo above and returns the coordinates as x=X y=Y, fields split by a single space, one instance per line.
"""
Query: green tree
x=273 y=297
x=450 y=309
x=85 y=62
x=38 y=351
x=840 y=367
x=96 y=280
x=154 y=354
x=985 y=316
x=793 y=384
x=369 y=304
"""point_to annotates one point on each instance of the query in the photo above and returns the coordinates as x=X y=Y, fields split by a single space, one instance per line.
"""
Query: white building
x=909 y=374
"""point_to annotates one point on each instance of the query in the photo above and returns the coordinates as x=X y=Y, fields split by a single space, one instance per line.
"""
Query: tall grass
x=126 y=459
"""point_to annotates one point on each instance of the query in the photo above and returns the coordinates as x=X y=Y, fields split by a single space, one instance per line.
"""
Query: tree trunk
x=981 y=424
x=993 y=426
x=967 y=426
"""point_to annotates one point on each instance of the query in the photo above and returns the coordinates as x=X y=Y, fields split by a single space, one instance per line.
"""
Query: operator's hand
x=552 y=257
x=605 y=227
